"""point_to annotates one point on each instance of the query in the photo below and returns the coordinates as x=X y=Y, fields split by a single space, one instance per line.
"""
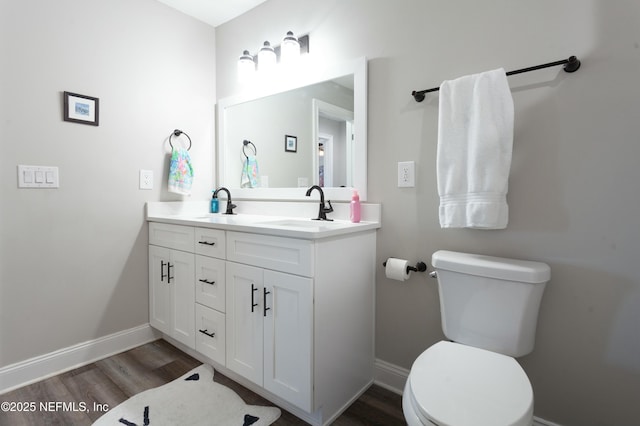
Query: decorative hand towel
x=180 y=172
x=249 y=178
x=475 y=140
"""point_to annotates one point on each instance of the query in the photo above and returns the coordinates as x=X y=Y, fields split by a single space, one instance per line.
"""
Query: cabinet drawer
x=277 y=253
x=210 y=333
x=172 y=236
x=210 y=282
x=210 y=242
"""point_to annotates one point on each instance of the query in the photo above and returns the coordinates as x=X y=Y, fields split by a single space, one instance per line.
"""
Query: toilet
x=489 y=309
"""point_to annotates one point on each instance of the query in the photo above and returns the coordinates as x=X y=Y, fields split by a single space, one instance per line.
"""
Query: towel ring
x=245 y=143
x=177 y=133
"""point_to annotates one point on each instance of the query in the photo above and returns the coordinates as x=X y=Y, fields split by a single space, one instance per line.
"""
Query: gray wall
x=73 y=260
x=573 y=198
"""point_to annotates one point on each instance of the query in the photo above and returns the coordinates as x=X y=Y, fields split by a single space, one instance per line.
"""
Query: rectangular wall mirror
x=311 y=132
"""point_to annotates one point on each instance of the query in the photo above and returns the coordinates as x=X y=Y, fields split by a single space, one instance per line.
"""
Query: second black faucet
x=322 y=212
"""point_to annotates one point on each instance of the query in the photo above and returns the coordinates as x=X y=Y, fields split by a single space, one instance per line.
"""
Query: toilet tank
x=490 y=302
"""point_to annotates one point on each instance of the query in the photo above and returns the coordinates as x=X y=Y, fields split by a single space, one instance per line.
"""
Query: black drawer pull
x=207 y=282
x=206 y=243
x=205 y=331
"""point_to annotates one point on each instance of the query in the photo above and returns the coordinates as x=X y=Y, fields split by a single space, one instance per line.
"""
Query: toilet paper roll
x=396 y=269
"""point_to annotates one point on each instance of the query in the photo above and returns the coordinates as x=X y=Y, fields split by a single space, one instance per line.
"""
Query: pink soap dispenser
x=355 y=207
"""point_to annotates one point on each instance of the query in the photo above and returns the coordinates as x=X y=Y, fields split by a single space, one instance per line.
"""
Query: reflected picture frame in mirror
x=230 y=157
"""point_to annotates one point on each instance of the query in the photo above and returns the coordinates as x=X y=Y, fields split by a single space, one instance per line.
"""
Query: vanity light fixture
x=266 y=58
x=269 y=56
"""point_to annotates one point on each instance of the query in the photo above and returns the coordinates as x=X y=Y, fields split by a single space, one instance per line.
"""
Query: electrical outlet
x=146 y=179
x=406 y=174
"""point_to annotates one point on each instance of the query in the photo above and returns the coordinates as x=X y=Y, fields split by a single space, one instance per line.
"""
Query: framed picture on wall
x=81 y=109
x=290 y=143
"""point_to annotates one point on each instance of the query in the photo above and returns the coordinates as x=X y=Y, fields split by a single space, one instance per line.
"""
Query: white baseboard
x=390 y=376
x=537 y=421
x=41 y=367
x=393 y=378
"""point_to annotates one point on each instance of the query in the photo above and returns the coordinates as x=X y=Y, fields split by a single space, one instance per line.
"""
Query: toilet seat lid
x=458 y=385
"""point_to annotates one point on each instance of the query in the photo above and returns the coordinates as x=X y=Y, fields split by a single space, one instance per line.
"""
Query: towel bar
x=570 y=65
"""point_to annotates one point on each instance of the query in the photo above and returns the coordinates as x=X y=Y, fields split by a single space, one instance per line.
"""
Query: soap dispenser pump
x=214 y=203
x=355 y=207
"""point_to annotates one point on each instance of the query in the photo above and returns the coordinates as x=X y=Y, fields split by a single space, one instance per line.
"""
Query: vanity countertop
x=298 y=226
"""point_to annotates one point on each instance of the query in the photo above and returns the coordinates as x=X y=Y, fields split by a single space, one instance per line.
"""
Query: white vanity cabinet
x=291 y=318
x=171 y=286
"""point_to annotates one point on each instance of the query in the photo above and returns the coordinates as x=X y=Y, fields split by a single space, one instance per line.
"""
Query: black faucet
x=230 y=205
x=322 y=213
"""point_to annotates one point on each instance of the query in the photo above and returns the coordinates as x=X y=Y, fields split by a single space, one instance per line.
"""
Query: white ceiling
x=213 y=12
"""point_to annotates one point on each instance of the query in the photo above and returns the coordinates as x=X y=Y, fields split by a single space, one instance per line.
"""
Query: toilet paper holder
x=420 y=267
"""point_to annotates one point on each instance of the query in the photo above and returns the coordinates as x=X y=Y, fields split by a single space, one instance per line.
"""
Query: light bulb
x=290 y=49
x=246 y=66
x=266 y=58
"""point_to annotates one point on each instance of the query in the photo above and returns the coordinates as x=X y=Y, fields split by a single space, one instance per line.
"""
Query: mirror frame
x=306 y=77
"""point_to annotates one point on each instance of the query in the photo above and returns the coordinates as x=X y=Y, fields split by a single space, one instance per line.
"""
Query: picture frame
x=81 y=109
x=290 y=143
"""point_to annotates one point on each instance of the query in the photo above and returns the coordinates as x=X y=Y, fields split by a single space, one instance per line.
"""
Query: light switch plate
x=38 y=177
x=406 y=174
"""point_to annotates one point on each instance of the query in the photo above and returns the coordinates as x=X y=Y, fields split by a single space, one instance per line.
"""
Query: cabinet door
x=244 y=321
x=159 y=289
x=181 y=275
x=172 y=293
x=288 y=337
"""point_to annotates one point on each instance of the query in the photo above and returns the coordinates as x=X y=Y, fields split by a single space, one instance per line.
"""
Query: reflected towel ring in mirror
x=244 y=146
x=176 y=133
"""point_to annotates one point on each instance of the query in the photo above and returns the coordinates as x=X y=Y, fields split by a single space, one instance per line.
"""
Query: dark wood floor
x=108 y=382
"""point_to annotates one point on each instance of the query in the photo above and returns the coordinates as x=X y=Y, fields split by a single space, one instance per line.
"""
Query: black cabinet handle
x=206 y=243
x=204 y=280
x=169 y=277
x=205 y=331
x=264 y=298
x=162 y=275
x=253 y=290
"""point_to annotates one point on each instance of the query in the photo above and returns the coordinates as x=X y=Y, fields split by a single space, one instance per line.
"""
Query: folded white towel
x=475 y=140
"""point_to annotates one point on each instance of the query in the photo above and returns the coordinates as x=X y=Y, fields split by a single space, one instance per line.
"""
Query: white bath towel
x=475 y=140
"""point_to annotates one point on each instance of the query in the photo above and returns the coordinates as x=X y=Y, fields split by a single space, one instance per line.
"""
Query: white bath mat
x=191 y=400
